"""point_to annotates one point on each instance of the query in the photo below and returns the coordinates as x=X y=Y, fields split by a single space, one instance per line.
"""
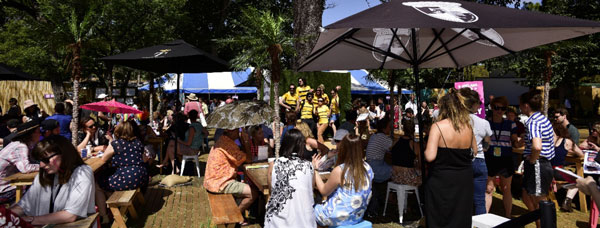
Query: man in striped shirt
x=539 y=149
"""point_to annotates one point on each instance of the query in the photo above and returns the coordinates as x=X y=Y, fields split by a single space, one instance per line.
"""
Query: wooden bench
x=224 y=210
x=83 y=223
x=122 y=201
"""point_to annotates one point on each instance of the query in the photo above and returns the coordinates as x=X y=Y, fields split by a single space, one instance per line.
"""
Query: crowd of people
x=66 y=188
x=464 y=156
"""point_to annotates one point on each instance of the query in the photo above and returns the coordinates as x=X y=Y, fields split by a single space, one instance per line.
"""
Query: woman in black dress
x=450 y=148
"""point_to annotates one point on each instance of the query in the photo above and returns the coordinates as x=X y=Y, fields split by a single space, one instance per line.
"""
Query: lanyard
x=497 y=135
x=53 y=197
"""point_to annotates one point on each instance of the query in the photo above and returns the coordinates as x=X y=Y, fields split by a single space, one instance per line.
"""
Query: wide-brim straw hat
x=28 y=103
x=192 y=97
x=23 y=129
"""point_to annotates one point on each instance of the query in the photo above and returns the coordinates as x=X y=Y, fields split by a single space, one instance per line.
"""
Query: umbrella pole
x=415 y=66
x=177 y=110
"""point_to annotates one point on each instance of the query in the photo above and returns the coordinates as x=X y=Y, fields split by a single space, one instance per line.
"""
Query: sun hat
x=28 y=103
x=23 y=129
x=102 y=96
x=339 y=135
x=362 y=117
x=192 y=97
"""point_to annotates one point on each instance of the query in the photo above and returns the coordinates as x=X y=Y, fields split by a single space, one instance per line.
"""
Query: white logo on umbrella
x=447 y=11
x=488 y=32
x=383 y=37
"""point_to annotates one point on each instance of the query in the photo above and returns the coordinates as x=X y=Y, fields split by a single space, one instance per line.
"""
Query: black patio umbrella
x=173 y=57
x=430 y=34
x=11 y=73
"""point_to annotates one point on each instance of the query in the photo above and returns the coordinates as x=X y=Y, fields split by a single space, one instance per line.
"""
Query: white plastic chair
x=186 y=158
x=401 y=192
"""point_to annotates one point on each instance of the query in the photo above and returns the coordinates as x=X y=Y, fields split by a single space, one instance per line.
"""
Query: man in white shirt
x=411 y=103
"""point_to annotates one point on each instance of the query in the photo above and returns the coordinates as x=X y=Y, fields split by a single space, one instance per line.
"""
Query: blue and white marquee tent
x=360 y=85
x=206 y=83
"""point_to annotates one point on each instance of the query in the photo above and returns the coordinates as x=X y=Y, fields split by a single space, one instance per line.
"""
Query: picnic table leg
x=118 y=217
x=582 y=202
x=18 y=193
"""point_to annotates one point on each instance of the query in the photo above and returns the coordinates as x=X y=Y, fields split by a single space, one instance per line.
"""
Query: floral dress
x=346 y=206
x=128 y=170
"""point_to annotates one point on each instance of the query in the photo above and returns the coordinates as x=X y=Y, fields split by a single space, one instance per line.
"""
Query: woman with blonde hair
x=450 y=150
x=348 y=188
x=320 y=93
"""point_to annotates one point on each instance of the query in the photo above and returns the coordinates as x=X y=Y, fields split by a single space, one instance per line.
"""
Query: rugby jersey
x=307 y=110
x=323 y=113
x=290 y=99
x=501 y=133
x=335 y=105
x=538 y=126
x=302 y=91
x=325 y=99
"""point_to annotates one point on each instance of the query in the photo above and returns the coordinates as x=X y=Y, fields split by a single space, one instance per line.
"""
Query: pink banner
x=477 y=86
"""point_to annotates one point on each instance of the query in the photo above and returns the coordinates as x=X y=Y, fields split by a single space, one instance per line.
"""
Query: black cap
x=49 y=124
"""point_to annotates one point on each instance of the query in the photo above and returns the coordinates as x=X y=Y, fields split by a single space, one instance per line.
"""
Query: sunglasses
x=499 y=108
x=556 y=117
x=46 y=160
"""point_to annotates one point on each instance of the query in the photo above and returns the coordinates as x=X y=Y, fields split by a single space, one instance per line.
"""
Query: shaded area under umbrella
x=240 y=114
x=111 y=106
x=429 y=34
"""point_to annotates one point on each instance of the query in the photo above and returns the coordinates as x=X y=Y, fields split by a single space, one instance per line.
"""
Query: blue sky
x=344 y=8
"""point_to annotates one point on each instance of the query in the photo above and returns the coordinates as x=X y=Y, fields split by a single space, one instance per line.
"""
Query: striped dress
x=538 y=126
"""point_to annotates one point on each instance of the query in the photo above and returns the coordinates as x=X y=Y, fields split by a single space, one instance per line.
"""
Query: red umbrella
x=111 y=106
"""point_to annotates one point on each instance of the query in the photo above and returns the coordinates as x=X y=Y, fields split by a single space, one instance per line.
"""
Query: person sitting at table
x=379 y=144
x=362 y=129
x=348 y=188
x=312 y=145
x=189 y=144
x=291 y=181
x=49 y=127
x=257 y=139
x=222 y=164
x=15 y=157
x=406 y=168
x=89 y=135
x=593 y=141
x=63 y=191
x=127 y=168
x=564 y=147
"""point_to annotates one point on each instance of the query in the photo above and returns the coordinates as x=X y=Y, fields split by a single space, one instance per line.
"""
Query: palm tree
x=262 y=40
x=71 y=23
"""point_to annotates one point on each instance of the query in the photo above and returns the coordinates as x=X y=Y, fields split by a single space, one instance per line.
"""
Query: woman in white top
x=291 y=181
x=63 y=191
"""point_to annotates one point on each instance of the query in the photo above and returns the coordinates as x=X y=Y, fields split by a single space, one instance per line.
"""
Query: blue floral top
x=345 y=206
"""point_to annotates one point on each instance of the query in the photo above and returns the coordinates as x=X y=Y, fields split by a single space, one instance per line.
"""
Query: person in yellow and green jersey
x=288 y=101
x=323 y=112
x=302 y=88
x=306 y=109
x=319 y=93
x=334 y=106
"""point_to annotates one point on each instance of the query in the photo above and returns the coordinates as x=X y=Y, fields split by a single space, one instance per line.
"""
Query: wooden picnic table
x=20 y=180
x=258 y=174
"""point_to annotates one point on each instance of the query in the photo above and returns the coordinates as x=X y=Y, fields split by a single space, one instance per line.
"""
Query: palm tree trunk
x=76 y=74
x=274 y=51
x=547 y=81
